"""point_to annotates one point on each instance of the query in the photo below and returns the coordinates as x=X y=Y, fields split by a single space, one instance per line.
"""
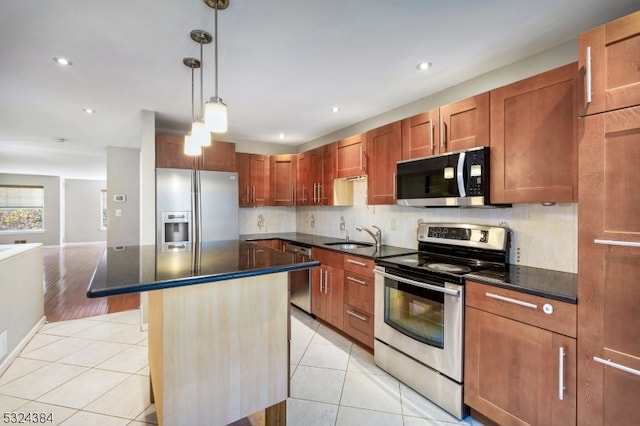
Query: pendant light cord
x=201 y=98
x=193 y=108
x=216 y=46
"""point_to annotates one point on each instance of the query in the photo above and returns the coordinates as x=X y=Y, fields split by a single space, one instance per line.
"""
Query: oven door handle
x=419 y=284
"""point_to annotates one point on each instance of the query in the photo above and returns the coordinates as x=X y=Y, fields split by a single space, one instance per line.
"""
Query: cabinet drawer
x=523 y=307
x=359 y=265
x=327 y=257
x=358 y=325
x=359 y=291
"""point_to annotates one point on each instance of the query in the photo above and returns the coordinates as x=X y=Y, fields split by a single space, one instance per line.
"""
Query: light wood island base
x=218 y=352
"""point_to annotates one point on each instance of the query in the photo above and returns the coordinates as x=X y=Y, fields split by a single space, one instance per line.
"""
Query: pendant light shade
x=200 y=134
x=215 y=115
x=191 y=147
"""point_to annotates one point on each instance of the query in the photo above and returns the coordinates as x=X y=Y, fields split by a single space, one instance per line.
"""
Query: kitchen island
x=218 y=326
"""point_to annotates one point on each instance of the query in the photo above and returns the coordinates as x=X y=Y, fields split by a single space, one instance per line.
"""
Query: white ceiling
x=282 y=65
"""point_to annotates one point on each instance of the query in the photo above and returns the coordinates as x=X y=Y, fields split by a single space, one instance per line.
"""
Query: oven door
x=421 y=318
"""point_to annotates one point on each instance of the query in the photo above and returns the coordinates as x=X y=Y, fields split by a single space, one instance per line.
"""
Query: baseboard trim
x=8 y=360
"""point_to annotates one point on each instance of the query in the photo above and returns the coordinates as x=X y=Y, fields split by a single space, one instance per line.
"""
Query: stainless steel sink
x=348 y=246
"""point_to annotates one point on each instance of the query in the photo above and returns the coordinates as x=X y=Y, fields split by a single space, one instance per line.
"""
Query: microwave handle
x=460 y=174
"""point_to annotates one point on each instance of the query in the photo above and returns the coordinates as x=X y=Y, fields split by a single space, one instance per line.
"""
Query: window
x=103 y=207
x=21 y=208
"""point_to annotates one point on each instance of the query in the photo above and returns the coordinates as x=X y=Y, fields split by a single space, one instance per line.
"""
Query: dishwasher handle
x=292 y=248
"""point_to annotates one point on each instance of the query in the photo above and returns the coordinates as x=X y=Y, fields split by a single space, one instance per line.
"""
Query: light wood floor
x=67 y=273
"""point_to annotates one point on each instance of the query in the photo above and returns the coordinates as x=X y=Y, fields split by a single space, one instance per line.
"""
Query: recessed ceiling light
x=335 y=109
x=62 y=61
x=423 y=66
x=281 y=136
x=89 y=110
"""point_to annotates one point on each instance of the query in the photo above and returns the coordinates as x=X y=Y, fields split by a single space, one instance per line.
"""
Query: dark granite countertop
x=132 y=269
x=556 y=285
x=310 y=240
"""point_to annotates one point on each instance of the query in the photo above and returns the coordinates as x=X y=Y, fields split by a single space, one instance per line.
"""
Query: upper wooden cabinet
x=350 y=157
x=253 y=179
x=464 y=124
x=534 y=139
x=315 y=176
x=453 y=127
x=283 y=180
x=609 y=61
x=383 y=152
x=170 y=153
x=220 y=156
x=421 y=135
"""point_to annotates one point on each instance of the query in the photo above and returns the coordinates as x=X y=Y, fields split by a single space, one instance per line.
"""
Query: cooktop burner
x=448 y=267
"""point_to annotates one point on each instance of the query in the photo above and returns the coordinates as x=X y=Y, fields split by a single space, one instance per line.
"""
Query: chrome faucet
x=377 y=237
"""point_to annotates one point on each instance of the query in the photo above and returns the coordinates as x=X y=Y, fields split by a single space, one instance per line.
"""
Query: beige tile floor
x=94 y=371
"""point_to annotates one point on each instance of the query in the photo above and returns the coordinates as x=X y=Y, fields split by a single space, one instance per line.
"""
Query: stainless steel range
x=419 y=307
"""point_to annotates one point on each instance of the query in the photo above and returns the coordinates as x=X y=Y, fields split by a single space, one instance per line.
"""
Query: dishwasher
x=300 y=281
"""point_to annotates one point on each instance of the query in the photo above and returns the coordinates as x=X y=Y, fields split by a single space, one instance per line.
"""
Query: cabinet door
x=383 y=152
x=328 y=173
x=243 y=165
x=612 y=76
x=170 y=153
x=259 y=190
x=219 y=156
x=464 y=124
x=421 y=135
x=303 y=179
x=608 y=268
x=334 y=287
x=350 y=159
x=283 y=180
x=318 y=296
x=534 y=139
x=315 y=173
x=514 y=371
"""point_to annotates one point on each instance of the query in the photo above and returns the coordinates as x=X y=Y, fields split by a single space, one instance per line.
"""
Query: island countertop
x=132 y=269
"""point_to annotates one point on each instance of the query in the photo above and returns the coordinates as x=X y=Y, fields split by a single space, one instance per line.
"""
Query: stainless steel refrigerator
x=195 y=205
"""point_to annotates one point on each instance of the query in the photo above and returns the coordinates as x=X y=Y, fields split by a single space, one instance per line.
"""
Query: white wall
x=52 y=235
x=21 y=297
x=83 y=214
x=123 y=178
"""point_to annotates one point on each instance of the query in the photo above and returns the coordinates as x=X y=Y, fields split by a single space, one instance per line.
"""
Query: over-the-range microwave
x=454 y=179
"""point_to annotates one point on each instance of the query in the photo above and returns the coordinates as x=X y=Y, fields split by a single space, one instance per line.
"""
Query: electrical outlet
x=394 y=224
x=3 y=344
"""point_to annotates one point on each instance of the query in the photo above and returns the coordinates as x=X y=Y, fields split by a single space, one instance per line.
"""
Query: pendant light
x=198 y=130
x=191 y=147
x=215 y=112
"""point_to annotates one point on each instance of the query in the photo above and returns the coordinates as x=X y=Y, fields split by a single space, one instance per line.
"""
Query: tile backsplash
x=542 y=237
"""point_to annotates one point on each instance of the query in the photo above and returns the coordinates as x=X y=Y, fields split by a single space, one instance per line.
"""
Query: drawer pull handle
x=355 y=262
x=360 y=317
x=355 y=280
x=561 y=355
x=510 y=300
x=587 y=76
x=617 y=243
x=609 y=363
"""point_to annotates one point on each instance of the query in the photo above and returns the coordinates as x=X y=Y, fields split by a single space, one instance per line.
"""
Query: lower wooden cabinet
x=517 y=373
x=342 y=293
x=327 y=288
